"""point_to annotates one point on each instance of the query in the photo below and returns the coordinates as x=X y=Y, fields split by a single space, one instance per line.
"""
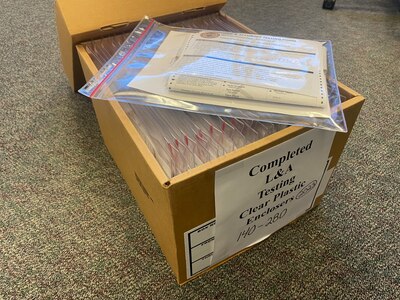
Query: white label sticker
x=199 y=247
x=258 y=195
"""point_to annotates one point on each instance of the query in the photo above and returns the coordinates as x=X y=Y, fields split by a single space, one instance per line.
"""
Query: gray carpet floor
x=69 y=228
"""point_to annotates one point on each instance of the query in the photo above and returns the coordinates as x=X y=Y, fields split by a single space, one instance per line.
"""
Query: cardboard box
x=172 y=206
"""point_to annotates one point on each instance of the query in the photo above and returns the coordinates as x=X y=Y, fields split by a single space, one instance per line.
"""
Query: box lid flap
x=83 y=16
x=79 y=20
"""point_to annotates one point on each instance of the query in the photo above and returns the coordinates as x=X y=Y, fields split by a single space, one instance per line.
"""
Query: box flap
x=78 y=21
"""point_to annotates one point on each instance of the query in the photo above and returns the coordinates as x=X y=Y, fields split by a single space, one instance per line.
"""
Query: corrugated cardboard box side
x=171 y=206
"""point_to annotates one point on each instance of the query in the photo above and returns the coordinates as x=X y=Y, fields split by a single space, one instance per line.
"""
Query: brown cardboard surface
x=173 y=206
x=351 y=109
x=130 y=155
x=138 y=166
x=84 y=16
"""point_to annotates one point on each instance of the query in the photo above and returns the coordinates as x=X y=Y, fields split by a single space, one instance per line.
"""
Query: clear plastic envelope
x=247 y=76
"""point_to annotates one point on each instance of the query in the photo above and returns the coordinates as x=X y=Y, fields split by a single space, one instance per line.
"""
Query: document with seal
x=255 y=72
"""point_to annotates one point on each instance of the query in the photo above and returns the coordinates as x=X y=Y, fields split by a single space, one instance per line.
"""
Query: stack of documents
x=181 y=141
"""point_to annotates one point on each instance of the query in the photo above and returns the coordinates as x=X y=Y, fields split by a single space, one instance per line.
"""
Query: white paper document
x=259 y=195
x=261 y=73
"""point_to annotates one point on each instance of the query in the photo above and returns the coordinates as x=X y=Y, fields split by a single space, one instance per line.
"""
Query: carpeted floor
x=69 y=228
